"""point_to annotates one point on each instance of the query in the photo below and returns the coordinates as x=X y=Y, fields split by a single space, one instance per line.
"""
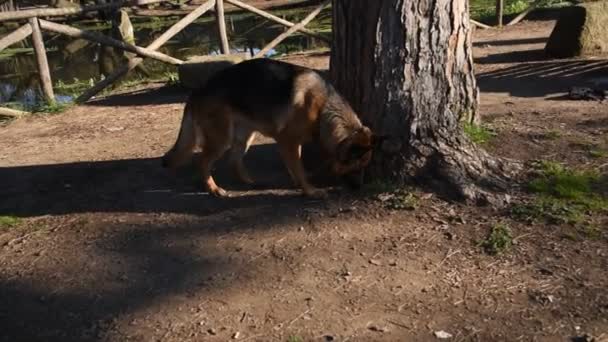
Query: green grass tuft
x=51 y=108
x=598 y=153
x=9 y=221
x=75 y=88
x=498 y=240
x=172 y=78
x=557 y=181
x=478 y=134
x=563 y=196
x=553 y=134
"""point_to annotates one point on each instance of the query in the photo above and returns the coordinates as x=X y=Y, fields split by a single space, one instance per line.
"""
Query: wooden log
x=274 y=18
x=55 y=12
x=15 y=36
x=292 y=29
x=523 y=14
x=500 y=7
x=12 y=112
x=221 y=26
x=43 y=63
x=478 y=24
x=100 y=38
x=170 y=33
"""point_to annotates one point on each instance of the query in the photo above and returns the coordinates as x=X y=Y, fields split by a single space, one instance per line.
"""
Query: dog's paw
x=219 y=192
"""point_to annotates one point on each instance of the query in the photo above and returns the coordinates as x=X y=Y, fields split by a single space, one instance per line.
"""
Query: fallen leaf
x=442 y=334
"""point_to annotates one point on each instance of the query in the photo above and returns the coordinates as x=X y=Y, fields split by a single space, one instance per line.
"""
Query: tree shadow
x=510 y=42
x=124 y=267
x=513 y=57
x=125 y=272
x=143 y=186
x=537 y=79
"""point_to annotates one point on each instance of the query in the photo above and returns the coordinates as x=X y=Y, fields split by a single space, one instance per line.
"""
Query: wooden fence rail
x=15 y=36
x=35 y=25
x=274 y=18
x=57 y=12
x=104 y=40
x=291 y=30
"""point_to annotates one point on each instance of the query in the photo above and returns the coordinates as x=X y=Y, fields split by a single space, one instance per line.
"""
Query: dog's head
x=352 y=156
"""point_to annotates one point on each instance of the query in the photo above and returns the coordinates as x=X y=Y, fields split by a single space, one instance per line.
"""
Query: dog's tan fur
x=315 y=111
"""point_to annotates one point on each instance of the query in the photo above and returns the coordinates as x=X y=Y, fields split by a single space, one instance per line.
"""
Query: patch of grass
x=479 y=134
x=557 y=181
x=75 y=88
x=498 y=240
x=295 y=338
x=598 y=153
x=400 y=199
x=549 y=210
x=517 y=6
x=485 y=10
x=403 y=201
x=172 y=78
x=9 y=221
x=553 y=134
x=591 y=231
x=391 y=196
x=51 y=108
x=563 y=196
x=40 y=107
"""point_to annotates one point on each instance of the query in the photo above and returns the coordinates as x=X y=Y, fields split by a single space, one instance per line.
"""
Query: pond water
x=77 y=64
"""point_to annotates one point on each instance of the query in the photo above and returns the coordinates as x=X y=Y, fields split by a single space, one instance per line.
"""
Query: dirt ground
x=111 y=247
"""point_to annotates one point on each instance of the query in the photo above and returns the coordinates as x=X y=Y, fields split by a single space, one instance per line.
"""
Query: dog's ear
x=361 y=137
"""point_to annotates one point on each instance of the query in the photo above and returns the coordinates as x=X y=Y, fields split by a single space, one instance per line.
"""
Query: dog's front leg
x=291 y=153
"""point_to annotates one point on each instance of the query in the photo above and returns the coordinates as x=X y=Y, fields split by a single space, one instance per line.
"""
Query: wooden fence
x=36 y=24
x=500 y=9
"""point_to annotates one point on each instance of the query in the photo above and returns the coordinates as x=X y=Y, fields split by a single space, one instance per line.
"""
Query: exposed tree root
x=455 y=168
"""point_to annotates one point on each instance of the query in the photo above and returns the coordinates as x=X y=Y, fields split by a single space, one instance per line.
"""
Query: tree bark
x=406 y=66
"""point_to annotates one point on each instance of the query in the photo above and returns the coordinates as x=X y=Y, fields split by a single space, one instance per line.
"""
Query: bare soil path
x=110 y=247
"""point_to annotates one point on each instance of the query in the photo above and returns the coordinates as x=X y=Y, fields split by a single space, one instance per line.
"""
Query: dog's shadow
x=143 y=185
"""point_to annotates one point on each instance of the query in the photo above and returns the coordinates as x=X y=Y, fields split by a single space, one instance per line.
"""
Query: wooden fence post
x=221 y=26
x=500 y=6
x=43 y=63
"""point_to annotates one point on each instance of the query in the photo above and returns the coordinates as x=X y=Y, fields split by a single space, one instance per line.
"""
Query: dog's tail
x=188 y=138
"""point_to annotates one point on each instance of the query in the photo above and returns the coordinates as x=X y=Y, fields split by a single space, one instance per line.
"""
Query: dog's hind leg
x=243 y=137
x=218 y=135
x=187 y=140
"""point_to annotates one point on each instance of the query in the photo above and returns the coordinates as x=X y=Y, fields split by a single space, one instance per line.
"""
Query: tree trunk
x=406 y=66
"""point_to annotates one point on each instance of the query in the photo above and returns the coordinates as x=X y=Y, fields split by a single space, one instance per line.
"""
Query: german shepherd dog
x=291 y=104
